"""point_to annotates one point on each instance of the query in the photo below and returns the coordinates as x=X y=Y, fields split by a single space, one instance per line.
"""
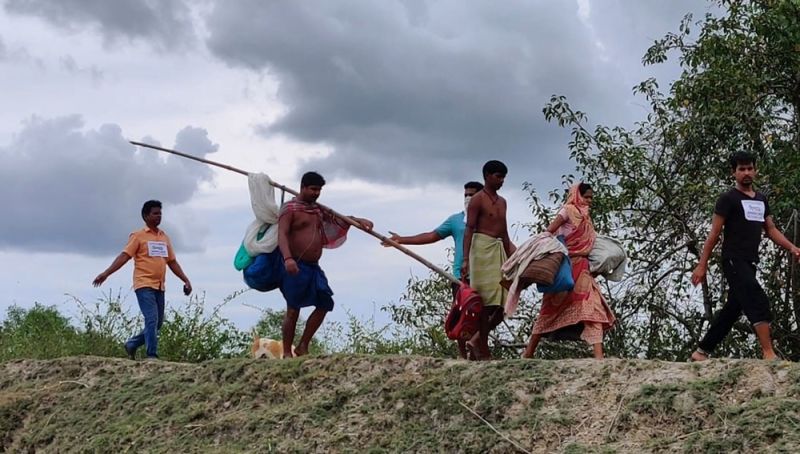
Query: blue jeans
x=151 y=303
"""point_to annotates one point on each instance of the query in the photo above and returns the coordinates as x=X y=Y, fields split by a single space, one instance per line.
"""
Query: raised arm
x=366 y=224
x=557 y=222
x=420 y=238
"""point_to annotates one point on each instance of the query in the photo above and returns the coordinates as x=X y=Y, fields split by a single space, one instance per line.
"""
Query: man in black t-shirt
x=740 y=215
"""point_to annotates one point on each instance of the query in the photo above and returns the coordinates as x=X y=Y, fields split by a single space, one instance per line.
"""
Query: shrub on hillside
x=363 y=336
x=41 y=332
x=191 y=335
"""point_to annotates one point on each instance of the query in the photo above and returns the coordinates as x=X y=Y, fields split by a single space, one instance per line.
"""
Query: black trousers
x=744 y=295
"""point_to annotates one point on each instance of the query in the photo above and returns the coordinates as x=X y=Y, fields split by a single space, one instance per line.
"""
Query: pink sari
x=584 y=303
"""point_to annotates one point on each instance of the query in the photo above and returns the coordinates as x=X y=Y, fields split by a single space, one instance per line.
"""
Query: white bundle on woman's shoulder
x=262 y=200
x=608 y=258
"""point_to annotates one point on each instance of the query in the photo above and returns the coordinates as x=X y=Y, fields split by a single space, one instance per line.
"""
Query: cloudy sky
x=397 y=103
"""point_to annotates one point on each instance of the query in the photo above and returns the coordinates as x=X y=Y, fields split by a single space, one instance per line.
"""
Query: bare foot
x=471 y=351
x=698 y=356
x=482 y=353
x=462 y=349
x=530 y=347
x=528 y=353
x=301 y=350
x=771 y=356
x=287 y=353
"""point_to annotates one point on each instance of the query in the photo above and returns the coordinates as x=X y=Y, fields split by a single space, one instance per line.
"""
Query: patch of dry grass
x=397 y=403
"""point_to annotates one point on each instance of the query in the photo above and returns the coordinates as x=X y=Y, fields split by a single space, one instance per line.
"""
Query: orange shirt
x=151 y=252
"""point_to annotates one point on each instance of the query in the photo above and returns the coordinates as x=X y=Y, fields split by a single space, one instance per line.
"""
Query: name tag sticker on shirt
x=157 y=249
x=753 y=210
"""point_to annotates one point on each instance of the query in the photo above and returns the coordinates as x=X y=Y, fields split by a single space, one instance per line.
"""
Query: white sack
x=262 y=200
x=607 y=258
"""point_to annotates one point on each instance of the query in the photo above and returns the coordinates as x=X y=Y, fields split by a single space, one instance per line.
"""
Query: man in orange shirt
x=152 y=252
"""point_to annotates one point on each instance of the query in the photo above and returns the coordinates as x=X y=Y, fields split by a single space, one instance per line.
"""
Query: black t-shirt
x=744 y=221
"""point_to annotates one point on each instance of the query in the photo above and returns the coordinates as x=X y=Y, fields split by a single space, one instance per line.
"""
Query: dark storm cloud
x=413 y=90
x=67 y=189
x=166 y=23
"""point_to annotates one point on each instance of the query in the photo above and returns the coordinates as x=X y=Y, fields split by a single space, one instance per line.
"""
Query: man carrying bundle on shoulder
x=304 y=229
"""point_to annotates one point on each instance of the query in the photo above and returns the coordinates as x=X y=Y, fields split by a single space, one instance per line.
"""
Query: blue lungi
x=309 y=287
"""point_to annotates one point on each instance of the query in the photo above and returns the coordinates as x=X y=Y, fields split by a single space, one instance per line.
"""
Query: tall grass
x=192 y=332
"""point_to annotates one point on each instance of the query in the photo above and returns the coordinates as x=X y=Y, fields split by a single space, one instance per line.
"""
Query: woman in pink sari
x=583 y=309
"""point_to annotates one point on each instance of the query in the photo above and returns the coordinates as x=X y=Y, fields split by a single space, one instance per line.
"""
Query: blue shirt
x=454 y=226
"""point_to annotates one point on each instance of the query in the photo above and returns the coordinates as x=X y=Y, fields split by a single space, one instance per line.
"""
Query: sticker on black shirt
x=753 y=210
x=745 y=218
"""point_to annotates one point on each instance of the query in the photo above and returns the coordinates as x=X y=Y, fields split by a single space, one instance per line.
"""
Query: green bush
x=106 y=324
x=41 y=332
x=189 y=335
x=364 y=337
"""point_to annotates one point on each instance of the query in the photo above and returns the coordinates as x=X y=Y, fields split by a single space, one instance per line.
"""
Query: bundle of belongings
x=463 y=320
x=607 y=258
x=543 y=260
x=259 y=257
x=536 y=261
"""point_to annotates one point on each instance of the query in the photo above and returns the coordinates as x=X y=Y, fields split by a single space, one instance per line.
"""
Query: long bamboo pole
x=347 y=219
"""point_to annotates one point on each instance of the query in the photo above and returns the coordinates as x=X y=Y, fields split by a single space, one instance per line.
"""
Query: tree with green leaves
x=656 y=183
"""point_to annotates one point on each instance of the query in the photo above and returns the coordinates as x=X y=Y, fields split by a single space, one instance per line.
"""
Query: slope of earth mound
x=344 y=403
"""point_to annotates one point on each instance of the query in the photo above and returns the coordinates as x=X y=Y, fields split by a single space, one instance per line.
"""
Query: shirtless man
x=454 y=226
x=486 y=247
x=304 y=229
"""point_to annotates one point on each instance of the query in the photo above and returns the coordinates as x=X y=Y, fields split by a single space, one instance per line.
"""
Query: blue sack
x=563 y=281
x=266 y=271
